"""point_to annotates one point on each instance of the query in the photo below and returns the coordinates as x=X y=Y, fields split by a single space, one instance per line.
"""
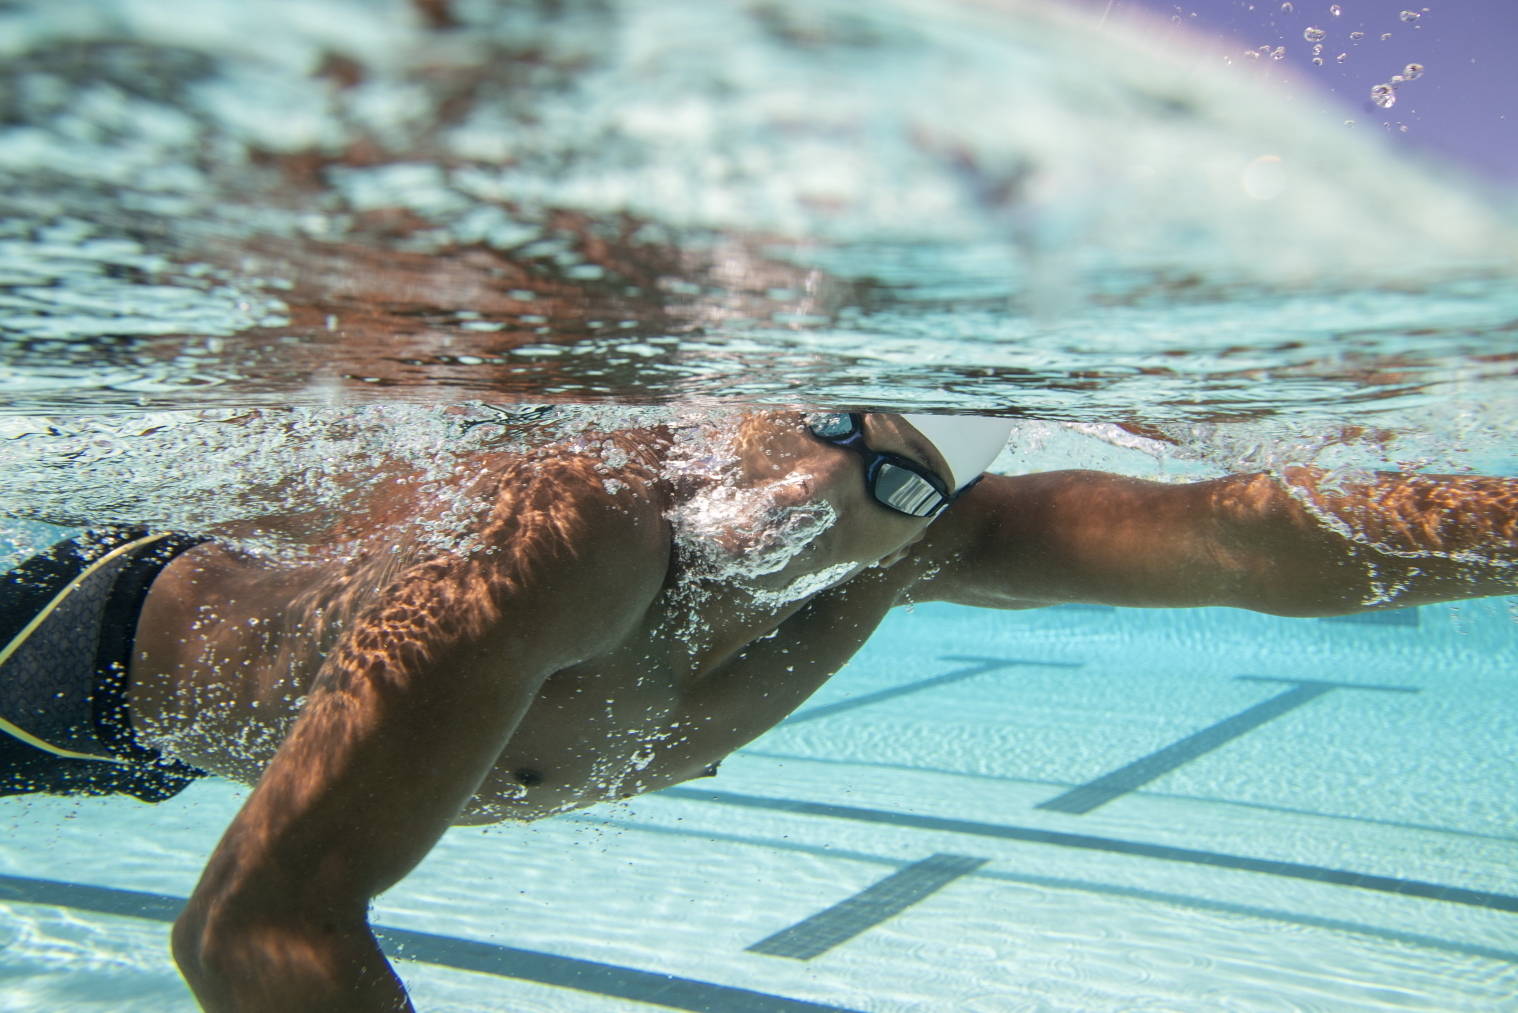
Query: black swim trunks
x=68 y=618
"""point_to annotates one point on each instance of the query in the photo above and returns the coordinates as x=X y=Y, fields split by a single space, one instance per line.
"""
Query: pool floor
x=1072 y=809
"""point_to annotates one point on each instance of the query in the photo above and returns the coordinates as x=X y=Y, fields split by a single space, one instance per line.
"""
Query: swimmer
x=608 y=630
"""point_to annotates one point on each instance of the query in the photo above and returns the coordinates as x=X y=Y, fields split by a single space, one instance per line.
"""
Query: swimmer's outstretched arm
x=1295 y=548
x=409 y=713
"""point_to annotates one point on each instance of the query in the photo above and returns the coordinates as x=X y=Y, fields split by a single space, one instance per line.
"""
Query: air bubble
x=1335 y=10
x=1317 y=61
x=1278 y=53
x=1412 y=71
x=1287 y=8
x=1385 y=36
x=1383 y=95
x=1409 y=16
x=1341 y=57
x=1314 y=34
x=1356 y=36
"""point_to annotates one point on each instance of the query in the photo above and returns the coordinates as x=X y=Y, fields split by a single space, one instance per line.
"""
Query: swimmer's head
x=967 y=443
x=945 y=455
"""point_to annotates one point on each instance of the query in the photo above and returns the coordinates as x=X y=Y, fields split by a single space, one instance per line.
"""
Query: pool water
x=1080 y=809
x=254 y=255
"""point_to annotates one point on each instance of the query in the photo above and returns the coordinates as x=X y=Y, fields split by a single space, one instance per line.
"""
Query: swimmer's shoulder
x=579 y=504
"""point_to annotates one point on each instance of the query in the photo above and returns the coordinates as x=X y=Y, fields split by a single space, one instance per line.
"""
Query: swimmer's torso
x=654 y=712
x=706 y=669
x=692 y=683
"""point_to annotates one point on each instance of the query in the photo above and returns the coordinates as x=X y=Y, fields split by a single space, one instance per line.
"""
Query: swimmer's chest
x=673 y=701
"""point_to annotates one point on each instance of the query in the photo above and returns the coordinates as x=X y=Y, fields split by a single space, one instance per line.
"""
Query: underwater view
x=439 y=574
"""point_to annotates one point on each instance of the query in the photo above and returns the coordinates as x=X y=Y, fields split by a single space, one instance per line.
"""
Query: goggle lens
x=893 y=481
x=907 y=491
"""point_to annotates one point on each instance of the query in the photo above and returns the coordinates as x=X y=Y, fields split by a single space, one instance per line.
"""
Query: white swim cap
x=969 y=443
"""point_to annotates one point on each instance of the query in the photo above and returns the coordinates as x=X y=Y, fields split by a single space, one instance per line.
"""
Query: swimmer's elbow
x=237 y=958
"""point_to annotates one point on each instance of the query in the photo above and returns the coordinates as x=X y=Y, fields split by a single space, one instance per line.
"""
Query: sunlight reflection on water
x=986 y=208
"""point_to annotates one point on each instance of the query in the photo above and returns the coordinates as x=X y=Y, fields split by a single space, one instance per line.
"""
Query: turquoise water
x=254 y=254
x=1353 y=852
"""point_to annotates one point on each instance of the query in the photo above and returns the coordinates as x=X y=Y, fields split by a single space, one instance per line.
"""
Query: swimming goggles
x=895 y=482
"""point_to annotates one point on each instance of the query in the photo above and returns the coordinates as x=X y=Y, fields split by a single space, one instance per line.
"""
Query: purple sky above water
x=1462 y=108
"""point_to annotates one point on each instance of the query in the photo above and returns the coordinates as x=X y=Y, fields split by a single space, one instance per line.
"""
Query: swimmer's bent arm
x=408 y=715
x=1296 y=547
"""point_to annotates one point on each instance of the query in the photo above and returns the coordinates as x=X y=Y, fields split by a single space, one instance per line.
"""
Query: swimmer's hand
x=409 y=713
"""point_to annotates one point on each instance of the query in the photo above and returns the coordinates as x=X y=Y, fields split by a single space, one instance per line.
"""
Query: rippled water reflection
x=987 y=206
x=411 y=206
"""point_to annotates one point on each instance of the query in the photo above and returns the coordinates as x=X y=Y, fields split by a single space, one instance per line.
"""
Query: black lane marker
x=1114 y=784
x=1088 y=886
x=1164 y=852
x=449 y=951
x=1198 y=799
x=590 y=975
x=871 y=906
x=978 y=666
